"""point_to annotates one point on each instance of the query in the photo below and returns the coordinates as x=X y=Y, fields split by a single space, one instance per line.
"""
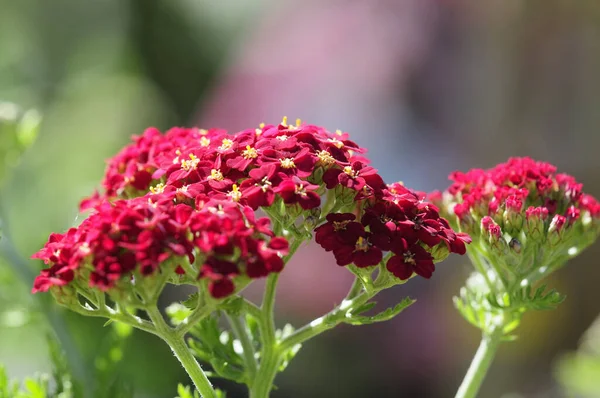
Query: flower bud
x=515 y=245
x=556 y=229
x=493 y=234
x=513 y=216
x=440 y=252
x=311 y=218
x=534 y=227
x=572 y=215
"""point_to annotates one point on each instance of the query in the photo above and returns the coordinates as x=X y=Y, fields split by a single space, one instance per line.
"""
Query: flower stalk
x=182 y=352
x=480 y=364
x=270 y=358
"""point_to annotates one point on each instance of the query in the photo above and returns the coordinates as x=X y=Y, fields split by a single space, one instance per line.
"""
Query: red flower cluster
x=519 y=194
x=165 y=189
x=251 y=167
x=139 y=235
x=398 y=221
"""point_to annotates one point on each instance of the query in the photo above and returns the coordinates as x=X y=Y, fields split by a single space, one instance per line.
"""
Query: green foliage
x=107 y=375
x=18 y=131
x=525 y=299
x=288 y=354
x=186 y=392
x=31 y=387
x=218 y=348
x=108 y=384
x=484 y=309
x=474 y=306
x=356 y=319
x=578 y=372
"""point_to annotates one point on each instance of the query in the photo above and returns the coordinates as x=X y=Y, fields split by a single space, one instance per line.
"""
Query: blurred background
x=429 y=86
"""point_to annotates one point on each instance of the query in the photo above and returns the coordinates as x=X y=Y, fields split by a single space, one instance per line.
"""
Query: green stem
x=481 y=363
x=114 y=315
x=355 y=289
x=182 y=352
x=239 y=328
x=270 y=357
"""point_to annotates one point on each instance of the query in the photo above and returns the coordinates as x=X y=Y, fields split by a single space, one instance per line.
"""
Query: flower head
x=144 y=237
x=182 y=201
x=525 y=213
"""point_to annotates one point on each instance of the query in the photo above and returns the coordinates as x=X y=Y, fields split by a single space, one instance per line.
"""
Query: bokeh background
x=429 y=86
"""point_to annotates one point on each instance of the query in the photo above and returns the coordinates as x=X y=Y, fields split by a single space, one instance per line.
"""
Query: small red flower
x=413 y=259
x=356 y=177
x=295 y=190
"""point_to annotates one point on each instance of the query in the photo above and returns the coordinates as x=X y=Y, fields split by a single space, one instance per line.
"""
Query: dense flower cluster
x=399 y=222
x=160 y=193
x=523 y=204
x=251 y=167
x=135 y=237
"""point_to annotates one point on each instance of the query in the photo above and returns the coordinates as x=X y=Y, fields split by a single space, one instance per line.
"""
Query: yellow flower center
x=204 y=141
x=250 y=153
x=340 y=225
x=350 y=171
x=282 y=137
x=300 y=190
x=287 y=163
x=297 y=126
x=215 y=174
x=190 y=164
x=235 y=193
x=336 y=142
x=159 y=188
x=266 y=184
x=325 y=158
x=362 y=244
x=409 y=258
x=226 y=144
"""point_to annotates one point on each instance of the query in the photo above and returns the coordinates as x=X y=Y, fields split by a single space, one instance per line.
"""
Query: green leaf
x=382 y=316
x=233 y=305
x=192 y=301
x=28 y=128
x=177 y=313
x=211 y=345
x=184 y=391
x=364 y=308
x=524 y=299
x=36 y=388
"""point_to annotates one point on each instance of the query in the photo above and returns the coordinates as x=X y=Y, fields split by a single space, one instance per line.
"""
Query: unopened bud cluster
x=525 y=219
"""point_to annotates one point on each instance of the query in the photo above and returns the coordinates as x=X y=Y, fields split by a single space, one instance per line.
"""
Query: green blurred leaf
x=218 y=348
x=177 y=313
x=186 y=392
